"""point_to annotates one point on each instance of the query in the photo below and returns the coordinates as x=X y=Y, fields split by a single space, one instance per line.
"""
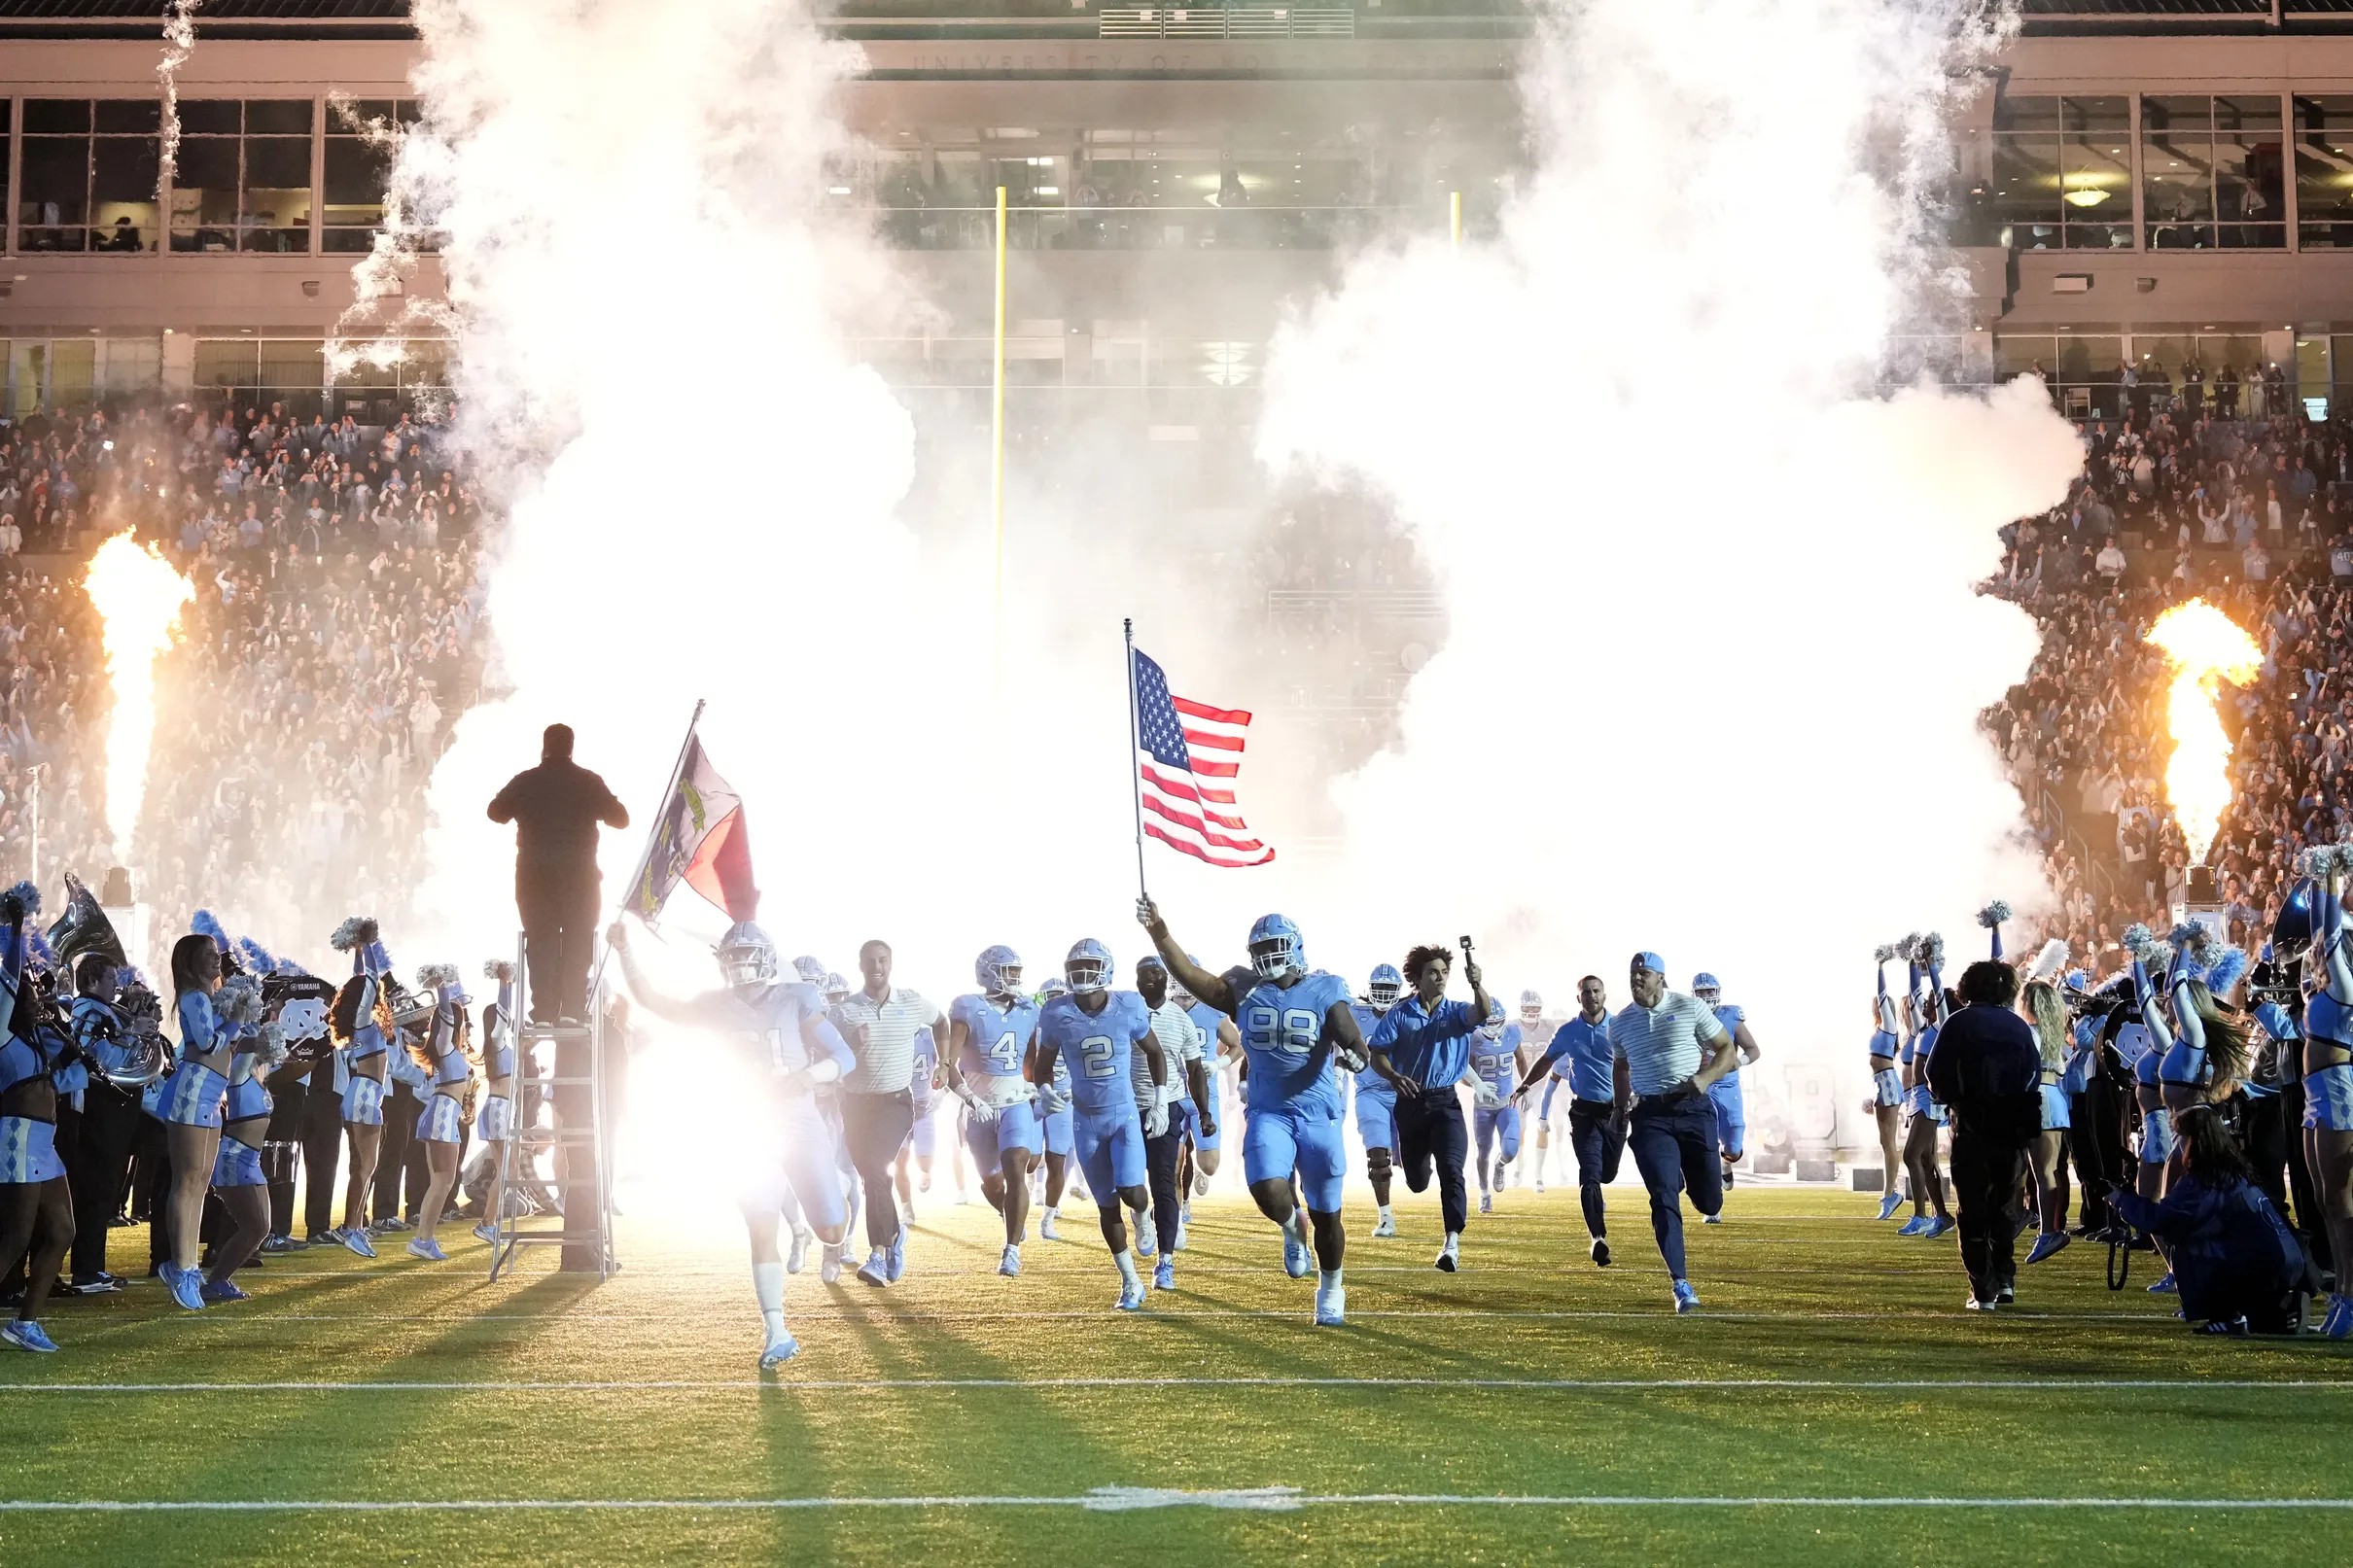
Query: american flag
x=1187 y=754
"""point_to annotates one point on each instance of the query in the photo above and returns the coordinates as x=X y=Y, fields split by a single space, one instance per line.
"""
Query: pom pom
x=2227 y=971
x=352 y=933
x=1887 y=951
x=2050 y=961
x=205 y=924
x=237 y=1001
x=433 y=976
x=258 y=959
x=271 y=1041
x=2320 y=859
x=1932 y=951
x=2138 y=939
x=2190 y=934
x=501 y=971
x=26 y=896
x=1994 y=914
x=1910 y=948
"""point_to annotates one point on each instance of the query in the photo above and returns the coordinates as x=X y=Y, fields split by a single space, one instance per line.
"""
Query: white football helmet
x=809 y=972
x=746 y=955
x=1532 y=1007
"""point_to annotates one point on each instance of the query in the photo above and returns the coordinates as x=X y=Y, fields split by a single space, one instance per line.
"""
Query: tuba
x=143 y=1054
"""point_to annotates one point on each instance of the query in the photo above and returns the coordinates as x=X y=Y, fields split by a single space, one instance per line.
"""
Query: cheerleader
x=496 y=1124
x=192 y=1100
x=446 y=1055
x=2205 y=1061
x=2142 y=1043
x=36 y=1207
x=238 y=1175
x=1926 y=1002
x=361 y=1023
x=2328 y=1072
x=1888 y=1090
x=2048 y=1155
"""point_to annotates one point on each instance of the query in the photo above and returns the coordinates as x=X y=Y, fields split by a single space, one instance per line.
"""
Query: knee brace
x=1376 y=1163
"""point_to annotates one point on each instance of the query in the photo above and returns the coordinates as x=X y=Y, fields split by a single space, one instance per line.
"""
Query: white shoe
x=1130 y=1297
x=1331 y=1306
x=1200 y=1185
x=1487 y=1204
x=796 y=1255
x=1711 y=1219
x=828 y=1267
x=1182 y=1238
x=1045 y=1226
x=1009 y=1265
x=1448 y=1256
x=1539 y=1183
x=1147 y=1236
x=779 y=1351
x=907 y=1212
x=1386 y=1227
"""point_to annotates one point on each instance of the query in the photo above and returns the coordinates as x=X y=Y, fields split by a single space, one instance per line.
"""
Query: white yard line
x=788 y=1383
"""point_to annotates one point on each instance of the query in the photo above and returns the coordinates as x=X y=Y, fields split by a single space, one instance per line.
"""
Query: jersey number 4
x=1005 y=1055
x=1294 y=1030
x=1095 y=1056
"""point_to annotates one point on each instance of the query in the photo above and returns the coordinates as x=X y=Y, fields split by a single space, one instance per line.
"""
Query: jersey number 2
x=1096 y=1053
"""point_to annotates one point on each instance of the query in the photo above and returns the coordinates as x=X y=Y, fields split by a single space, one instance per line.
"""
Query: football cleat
x=186 y=1287
x=876 y=1270
x=1296 y=1261
x=1009 y=1265
x=828 y=1267
x=1164 y=1275
x=1148 y=1237
x=1046 y=1231
x=1716 y=1218
x=1386 y=1227
x=779 y=1351
x=1331 y=1306
x=1130 y=1297
x=1182 y=1239
x=796 y=1251
x=1487 y=1204
x=897 y=1256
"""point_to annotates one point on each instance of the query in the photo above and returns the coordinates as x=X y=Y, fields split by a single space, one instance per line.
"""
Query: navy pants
x=1674 y=1147
x=1598 y=1138
x=1430 y=1134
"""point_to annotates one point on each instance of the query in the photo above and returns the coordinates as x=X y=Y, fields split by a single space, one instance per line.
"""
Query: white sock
x=1127 y=1268
x=1386 y=1215
x=768 y=1287
x=1328 y=1277
x=1453 y=1242
x=1296 y=1227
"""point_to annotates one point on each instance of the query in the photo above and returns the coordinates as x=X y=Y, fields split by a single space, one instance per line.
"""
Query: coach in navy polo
x=1421 y=1047
x=1674 y=1048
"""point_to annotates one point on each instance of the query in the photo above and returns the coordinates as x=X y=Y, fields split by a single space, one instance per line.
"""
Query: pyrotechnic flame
x=138 y=596
x=2207 y=648
x=179 y=47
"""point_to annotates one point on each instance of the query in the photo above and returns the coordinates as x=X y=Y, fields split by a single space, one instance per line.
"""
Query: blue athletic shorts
x=2056 y=1116
x=1184 y=1119
x=1058 y=1134
x=1887 y=1083
x=1110 y=1151
x=1377 y=1118
x=364 y=1102
x=496 y=1119
x=799 y=1158
x=1280 y=1139
x=439 y=1121
x=2157 y=1136
x=1490 y=1126
x=28 y=1151
x=238 y=1164
x=1015 y=1127
x=1732 y=1113
x=2329 y=1099
x=193 y=1096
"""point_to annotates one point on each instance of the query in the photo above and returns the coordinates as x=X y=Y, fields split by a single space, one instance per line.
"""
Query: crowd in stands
x=330 y=643
x=2256 y=516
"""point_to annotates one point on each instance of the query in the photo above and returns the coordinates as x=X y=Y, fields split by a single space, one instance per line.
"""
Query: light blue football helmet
x=1088 y=968
x=997 y=972
x=809 y=972
x=1707 y=988
x=1277 y=948
x=1384 y=987
x=746 y=955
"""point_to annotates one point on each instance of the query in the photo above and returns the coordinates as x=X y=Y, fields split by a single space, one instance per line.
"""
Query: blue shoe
x=1164 y=1275
x=1889 y=1204
x=2047 y=1243
x=186 y=1287
x=355 y=1239
x=1687 y=1300
x=876 y=1270
x=779 y=1351
x=224 y=1290
x=1296 y=1259
x=25 y=1335
x=2337 y=1321
x=1939 y=1227
x=897 y=1257
x=1131 y=1297
x=1916 y=1225
x=2166 y=1286
x=1009 y=1265
x=430 y=1251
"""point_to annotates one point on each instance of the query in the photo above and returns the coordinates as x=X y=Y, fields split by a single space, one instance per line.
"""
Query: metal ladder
x=540 y=1046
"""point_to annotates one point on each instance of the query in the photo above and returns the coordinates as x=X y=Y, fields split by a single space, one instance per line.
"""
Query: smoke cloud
x=1715 y=655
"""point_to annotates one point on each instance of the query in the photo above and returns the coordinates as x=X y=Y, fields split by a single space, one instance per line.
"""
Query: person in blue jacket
x=2235 y=1261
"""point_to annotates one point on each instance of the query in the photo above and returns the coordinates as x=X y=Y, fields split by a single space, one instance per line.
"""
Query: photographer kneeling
x=2238 y=1265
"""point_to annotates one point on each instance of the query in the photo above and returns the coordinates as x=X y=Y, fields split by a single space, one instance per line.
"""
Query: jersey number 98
x=1294 y=1030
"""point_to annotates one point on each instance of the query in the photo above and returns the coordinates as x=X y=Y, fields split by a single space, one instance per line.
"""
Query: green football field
x=1831 y=1403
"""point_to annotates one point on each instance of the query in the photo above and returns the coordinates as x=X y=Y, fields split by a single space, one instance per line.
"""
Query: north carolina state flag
x=700 y=839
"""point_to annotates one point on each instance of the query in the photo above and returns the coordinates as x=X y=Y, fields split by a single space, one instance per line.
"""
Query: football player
x=988 y=1032
x=1732 y=1115
x=1376 y=1100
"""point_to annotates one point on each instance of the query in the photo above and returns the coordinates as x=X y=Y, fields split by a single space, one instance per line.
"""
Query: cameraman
x=2238 y=1265
x=1987 y=1068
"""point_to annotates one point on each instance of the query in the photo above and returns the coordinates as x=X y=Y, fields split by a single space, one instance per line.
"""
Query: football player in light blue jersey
x=1732 y=1113
x=1220 y=1043
x=1100 y=1032
x=1295 y=1024
x=988 y=1035
x=1054 y=1126
x=783 y=1027
x=1494 y=1072
x=1376 y=1100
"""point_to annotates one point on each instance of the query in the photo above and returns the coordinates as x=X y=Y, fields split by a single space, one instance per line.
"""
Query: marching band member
x=361 y=1023
x=111 y=1117
x=36 y=1207
x=441 y=1124
x=496 y=1122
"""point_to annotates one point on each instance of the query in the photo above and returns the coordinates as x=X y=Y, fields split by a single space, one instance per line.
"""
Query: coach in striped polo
x=1674 y=1048
x=877 y=1110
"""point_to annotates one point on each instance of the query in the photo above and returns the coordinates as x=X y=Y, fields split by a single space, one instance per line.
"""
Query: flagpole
x=1127 y=629
x=677 y=768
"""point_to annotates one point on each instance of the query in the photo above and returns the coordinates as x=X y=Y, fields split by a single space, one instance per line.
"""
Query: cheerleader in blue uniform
x=34 y=1200
x=193 y=1098
x=238 y=1175
x=447 y=1054
x=496 y=1122
x=1926 y=1003
x=1886 y=1089
x=361 y=1025
x=2047 y=1013
x=2328 y=1068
